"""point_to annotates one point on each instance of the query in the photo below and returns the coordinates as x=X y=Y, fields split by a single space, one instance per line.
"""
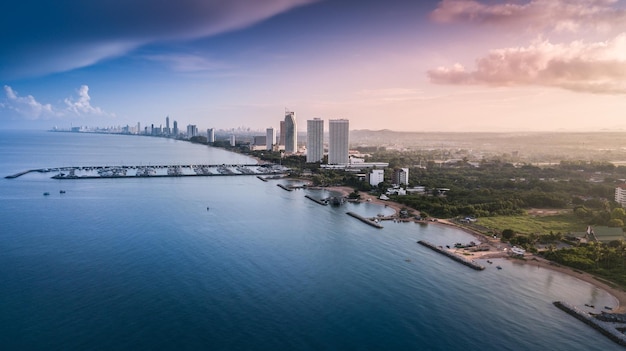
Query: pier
x=606 y=328
x=453 y=256
x=323 y=203
x=96 y=172
x=22 y=173
x=365 y=220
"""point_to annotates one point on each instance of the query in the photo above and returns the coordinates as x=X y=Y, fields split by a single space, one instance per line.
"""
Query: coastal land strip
x=497 y=250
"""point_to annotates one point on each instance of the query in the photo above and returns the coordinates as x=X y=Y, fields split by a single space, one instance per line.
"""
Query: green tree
x=618 y=213
x=508 y=234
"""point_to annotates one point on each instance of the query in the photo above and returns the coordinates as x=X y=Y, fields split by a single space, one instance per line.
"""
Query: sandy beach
x=497 y=250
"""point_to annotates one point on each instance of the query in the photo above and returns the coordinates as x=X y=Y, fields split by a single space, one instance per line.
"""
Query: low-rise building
x=620 y=194
x=376 y=176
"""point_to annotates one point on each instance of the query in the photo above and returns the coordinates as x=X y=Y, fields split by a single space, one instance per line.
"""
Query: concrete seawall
x=453 y=256
x=365 y=220
x=603 y=327
x=316 y=200
x=284 y=187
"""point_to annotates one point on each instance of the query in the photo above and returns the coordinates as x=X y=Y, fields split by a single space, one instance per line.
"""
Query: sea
x=235 y=263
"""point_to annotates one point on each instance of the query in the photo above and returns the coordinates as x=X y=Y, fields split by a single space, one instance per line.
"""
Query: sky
x=404 y=65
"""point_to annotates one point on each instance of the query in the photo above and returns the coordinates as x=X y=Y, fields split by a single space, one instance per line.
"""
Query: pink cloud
x=598 y=67
x=559 y=15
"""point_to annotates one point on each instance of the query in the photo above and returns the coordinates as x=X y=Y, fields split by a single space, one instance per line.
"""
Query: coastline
x=540 y=262
x=496 y=252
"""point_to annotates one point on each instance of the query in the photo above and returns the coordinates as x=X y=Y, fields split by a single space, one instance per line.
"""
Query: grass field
x=563 y=223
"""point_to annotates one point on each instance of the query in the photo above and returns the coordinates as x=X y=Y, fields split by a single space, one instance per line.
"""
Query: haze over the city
x=452 y=65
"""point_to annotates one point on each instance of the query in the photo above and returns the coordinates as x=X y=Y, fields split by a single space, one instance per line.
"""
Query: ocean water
x=128 y=264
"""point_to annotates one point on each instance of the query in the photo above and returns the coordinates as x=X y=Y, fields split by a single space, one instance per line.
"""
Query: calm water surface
x=127 y=264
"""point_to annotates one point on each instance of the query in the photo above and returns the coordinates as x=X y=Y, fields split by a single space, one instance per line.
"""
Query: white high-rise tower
x=270 y=138
x=338 y=141
x=314 y=140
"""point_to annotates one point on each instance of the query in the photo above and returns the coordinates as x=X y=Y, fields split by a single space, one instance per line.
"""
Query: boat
x=498 y=267
x=62 y=192
x=46 y=193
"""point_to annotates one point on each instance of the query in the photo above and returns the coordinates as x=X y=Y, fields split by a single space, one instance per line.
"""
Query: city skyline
x=451 y=65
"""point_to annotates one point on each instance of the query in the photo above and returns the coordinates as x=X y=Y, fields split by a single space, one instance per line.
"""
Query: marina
x=95 y=172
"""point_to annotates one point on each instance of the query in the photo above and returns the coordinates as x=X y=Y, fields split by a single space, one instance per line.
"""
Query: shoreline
x=540 y=262
x=495 y=252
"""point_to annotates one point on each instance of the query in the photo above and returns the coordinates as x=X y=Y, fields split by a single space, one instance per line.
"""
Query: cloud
x=391 y=95
x=187 y=62
x=558 y=15
x=82 y=105
x=28 y=107
x=60 y=36
x=598 y=67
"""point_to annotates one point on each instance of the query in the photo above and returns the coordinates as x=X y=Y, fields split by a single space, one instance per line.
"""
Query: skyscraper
x=175 y=131
x=314 y=140
x=210 y=135
x=192 y=130
x=281 y=136
x=338 y=142
x=167 y=126
x=291 y=132
x=270 y=138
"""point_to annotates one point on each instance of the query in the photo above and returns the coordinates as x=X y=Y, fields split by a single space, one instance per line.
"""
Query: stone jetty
x=453 y=256
x=284 y=187
x=323 y=203
x=608 y=329
x=365 y=220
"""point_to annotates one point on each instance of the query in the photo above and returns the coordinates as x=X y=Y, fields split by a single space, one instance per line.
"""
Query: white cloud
x=26 y=106
x=187 y=62
x=29 y=108
x=82 y=105
x=598 y=67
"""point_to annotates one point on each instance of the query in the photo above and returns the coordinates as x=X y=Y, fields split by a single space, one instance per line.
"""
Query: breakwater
x=365 y=220
x=603 y=327
x=323 y=203
x=453 y=256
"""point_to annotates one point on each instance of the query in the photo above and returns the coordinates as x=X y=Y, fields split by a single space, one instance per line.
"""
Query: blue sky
x=452 y=65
